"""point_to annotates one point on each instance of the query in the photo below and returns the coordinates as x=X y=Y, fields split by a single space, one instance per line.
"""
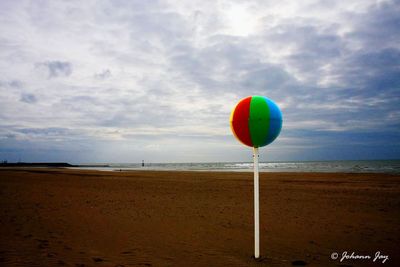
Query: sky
x=122 y=81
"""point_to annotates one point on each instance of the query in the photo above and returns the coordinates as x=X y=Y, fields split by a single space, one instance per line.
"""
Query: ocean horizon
x=350 y=166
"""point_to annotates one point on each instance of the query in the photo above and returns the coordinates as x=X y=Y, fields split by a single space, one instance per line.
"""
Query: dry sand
x=60 y=217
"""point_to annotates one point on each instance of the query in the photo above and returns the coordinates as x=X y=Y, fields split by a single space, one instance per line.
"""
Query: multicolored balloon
x=256 y=121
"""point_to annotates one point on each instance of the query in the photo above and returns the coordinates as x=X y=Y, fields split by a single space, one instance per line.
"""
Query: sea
x=348 y=166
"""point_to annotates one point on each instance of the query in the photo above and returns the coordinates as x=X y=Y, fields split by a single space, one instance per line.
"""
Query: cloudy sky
x=122 y=81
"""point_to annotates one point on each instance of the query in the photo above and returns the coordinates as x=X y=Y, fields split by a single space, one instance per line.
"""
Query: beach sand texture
x=61 y=217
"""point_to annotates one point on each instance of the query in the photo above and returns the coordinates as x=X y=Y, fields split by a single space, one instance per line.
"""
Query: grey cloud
x=148 y=22
x=28 y=98
x=229 y=64
x=312 y=46
x=44 y=131
x=373 y=70
x=53 y=134
x=103 y=74
x=17 y=84
x=56 y=68
x=160 y=25
x=122 y=110
x=375 y=65
x=268 y=77
x=138 y=112
x=378 y=27
x=10 y=136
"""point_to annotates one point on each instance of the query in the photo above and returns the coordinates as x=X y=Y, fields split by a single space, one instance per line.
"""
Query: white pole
x=256 y=206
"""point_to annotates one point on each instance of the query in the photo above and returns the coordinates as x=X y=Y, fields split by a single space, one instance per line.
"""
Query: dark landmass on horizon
x=37 y=164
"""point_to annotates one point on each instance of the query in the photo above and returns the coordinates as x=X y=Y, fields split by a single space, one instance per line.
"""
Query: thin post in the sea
x=256 y=206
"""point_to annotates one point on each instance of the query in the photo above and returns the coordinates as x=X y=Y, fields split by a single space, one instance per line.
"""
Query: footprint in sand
x=51 y=255
x=28 y=236
x=299 y=263
x=43 y=243
x=97 y=259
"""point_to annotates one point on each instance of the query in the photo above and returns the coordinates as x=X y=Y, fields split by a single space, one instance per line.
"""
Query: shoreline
x=349 y=166
x=63 y=217
x=239 y=171
x=243 y=171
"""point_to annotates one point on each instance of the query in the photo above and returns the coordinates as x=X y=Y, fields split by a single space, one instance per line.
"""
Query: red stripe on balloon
x=240 y=121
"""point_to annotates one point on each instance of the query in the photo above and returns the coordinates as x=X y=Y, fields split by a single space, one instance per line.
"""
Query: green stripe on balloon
x=259 y=120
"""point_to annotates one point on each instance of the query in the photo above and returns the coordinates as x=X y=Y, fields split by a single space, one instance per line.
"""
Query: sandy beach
x=62 y=217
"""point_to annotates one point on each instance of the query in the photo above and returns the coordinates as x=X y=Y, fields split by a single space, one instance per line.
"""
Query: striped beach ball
x=256 y=121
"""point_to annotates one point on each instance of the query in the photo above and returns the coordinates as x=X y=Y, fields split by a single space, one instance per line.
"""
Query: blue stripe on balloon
x=275 y=123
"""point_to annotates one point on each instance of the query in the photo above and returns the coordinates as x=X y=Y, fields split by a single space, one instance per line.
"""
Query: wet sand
x=61 y=217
